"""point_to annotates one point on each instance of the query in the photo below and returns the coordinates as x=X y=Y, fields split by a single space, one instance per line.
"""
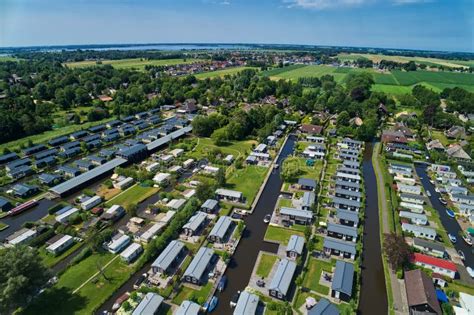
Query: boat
x=222 y=283
x=118 y=302
x=470 y=271
x=234 y=299
x=467 y=238
x=267 y=218
x=444 y=202
x=428 y=193
x=211 y=305
x=461 y=254
x=450 y=213
x=276 y=166
x=452 y=238
x=23 y=207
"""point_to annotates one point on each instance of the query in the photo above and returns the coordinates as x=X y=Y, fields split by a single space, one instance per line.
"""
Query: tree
x=290 y=169
x=204 y=191
x=343 y=119
x=22 y=275
x=219 y=136
x=396 y=249
x=220 y=177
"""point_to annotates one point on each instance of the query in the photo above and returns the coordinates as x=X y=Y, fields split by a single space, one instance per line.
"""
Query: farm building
x=282 y=279
x=343 y=280
x=199 y=265
x=169 y=258
x=295 y=246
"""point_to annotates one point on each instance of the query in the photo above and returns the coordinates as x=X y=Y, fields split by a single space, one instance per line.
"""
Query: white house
x=131 y=252
x=438 y=265
x=118 y=243
x=419 y=231
x=60 y=245
x=415 y=218
x=64 y=217
x=91 y=202
x=409 y=189
x=412 y=198
x=162 y=178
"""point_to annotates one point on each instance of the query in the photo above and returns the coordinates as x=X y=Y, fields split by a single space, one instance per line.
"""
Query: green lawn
x=221 y=73
x=136 y=63
x=133 y=195
x=247 y=180
x=185 y=293
x=51 y=260
x=281 y=235
x=312 y=276
x=265 y=265
x=435 y=134
x=306 y=171
x=3 y=226
x=307 y=71
x=236 y=148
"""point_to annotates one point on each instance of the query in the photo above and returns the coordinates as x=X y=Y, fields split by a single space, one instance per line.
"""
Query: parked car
x=461 y=254
x=450 y=213
x=452 y=238
x=267 y=218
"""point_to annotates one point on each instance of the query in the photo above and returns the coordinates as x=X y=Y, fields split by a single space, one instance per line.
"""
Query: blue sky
x=418 y=24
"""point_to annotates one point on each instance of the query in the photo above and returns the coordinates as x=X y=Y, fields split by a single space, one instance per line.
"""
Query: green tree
x=397 y=251
x=219 y=136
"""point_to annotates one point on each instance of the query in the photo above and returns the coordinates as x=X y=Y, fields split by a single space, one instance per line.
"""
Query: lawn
x=265 y=265
x=3 y=226
x=308 y=71
x=306 y=171
x=185 y=293
x=236 y=148
x=435 y=134
x=133 y=195
x=51 y=260
x=280 y=235
x=312 y=276
x=221 y=73
x=136 y=63
x=247 y=180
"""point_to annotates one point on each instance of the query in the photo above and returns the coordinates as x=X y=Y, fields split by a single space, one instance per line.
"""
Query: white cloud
x=324 y=4
x=403 y=2
x=224 y=2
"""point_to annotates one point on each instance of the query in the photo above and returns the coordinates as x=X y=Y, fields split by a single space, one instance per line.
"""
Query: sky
x=446 y=25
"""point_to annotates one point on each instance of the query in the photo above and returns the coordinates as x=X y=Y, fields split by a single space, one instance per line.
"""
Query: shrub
x=86 y=252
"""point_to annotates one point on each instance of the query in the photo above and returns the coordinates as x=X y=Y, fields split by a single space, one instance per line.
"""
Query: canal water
x=373 y=294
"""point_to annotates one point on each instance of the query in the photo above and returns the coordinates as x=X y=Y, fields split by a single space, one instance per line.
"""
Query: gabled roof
x=188 y=308
x=247 y=304
x=199 y=263
x=433 y=261
x=307 y=182
x=334 y=243
x=427 y=244
x=283 y=276
x=296 y=212
x=343 y=277
x=221 y=227
x=195 y=221
x=342 y=229
x=210 y=204
x=347 y=215
x=295 y=244
x=324 y=307
x=168 y=255
x=346 y=202
x=420 y=290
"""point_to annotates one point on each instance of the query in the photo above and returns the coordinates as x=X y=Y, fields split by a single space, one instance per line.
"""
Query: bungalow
x=251 y=160
x=271 y=140
x=409 y=189
x=440 y=167
x=463 y=199
x=162 y=178
x=415 y=218
x=188 y=308
x=412 y=207
x=293 y=215
x=114 y=213
x=17 y=163
x=195 y=223
x=131 y=252
x=347 y=157
x=246 y=304
x=199 y=265
x=261 y=148
x=177 y=152
x=46 y=153
x=455 y=132
x=346 y=204
x=446 y=174
x=432 y=248
x=344 y=184
x=308 y=200
x=210 y=206
x=84 y=165
x=348 y=194
x=176 y=204
x=344 y=232
x=188 y=163
x=313 y=154
x=69 y=171
x=5 y=204
x=307 y=184
x=60 y=244
x=91 y=202
x=96 y=160
x=295 y=246
x=455 y=151
x=348 y=170
x=146 y=234
x=210 y=170
x=34 y=149
x=412 y=198
x=389 y=136
x=21 y=236
x=5 y=158
x=405 y=180
x=419 y=231
x=221 y=230
x=421 y=293
x=58 y=141
x=400 y=173
x=124 y=183
x=49 y=179
x=118 y=243
x=150 y=304
x=353 y=152
x=343 y=281
x=346 y=217
x=334 y=246
x=348 y=177
x=351 y=164
x=311 y=129
x=24 y=190
x=65 y=216
x=324 y=307
x=229 y=195
x=113 y=123
x=438 y=265
x=282 y=279
x=229 y=159
x=97 y=128
x=169 y=258
x=316 y=139
x=350 y=143
x=260 y=156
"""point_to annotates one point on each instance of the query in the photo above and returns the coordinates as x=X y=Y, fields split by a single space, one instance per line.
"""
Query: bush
x=41 y=239
x=400 y=274
x=56 y=207
x=86 y=252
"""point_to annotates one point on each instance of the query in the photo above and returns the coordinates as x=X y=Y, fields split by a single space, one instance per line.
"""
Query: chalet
x=348 y=177
x=63 y=217
x=282 y=279
x=258 y=156
x=229 y=159
x=344 y=232
x=210 y=206
x=409 y=189
x=247 y=304
x=176 y=204
x=59 y=244
x=455 y=151
x=24 y=190
x=134 y=153
x=130 y=253
x=293 y=215
x=348 y=194
x=46 y=153
x=295 y=246
x=114 y=213
x=400 y=127
x=351 y=164
x=84 y=165
x=421 y=294
x=455 y=132
x=124 y=183
x=58 y=141
x=251 y=160
x=150 y=304
x=34 y=149
x=221 y=230
x=415 y=218
x=97 y=160
x=5 y=158
x=147 y=233
x=5 y=204
x=90 y=138
x=195 y=223
x=271 y=140
x=308 y=200
x=45 y=162
x=49 y=179
x=261 y=148
x=229 y=195
x=347 y=217
x=349 y=170
x=344 y=184
x=118 y=243
x=343 y=281
x=432 y=248
x=346 y=204
x=113 y=123
x=438 y=265
x=169 y=258
x=435 y=145
x=199 y=265
x=210 y=170
x=307 y=184
x=91 y=202
x=412 y=207
x=78 y=135
x=21 y=237
x=419 y=231
x=69 y=153
x=17 y=163
x=177 y=152
x=97 y=128
x=350 y=143
x=463 y=199
x=334 y=246
x=319 y=140
x=417 y=199
x=324 y=307
x=162 y=179
x=188 y=308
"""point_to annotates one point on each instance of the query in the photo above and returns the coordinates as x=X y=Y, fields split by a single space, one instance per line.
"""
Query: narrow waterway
x=240 y=269
x=373 y=294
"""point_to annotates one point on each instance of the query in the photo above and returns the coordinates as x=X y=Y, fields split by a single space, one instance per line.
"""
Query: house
x=118 y=243
x=5 y=204
x=147 y=233
x=463 y=199
x=435 y=145
x=389 y=136
x=229 y=195
x=246 y=304
x=347 y=217
x=162 y=178
x=295 y=246
x=5 y=158
x=307 y=184
x=199 y=265
x=195 y=223
x=400 y=127
x=351 y=164
x=432 y=248
x=261 y=148
x=210 y=206
x=349 y=170
x=348 y=194
x=63 y=217
x=455 y=151
x=282 y=279
x=438 y=265
x=169 y=258
x=34 y=149
x=311 y=129
x=455 y=132
x=124 y=183
x=323 y=307
x=415 y=218
x=467 y=302
x=412 y=207
x=294 y=215
x=176 y=204
x=350 y=143
x=421 y=293
x=24 y=190
x=319 y=140
x=131 y=252
x=344 y=184
x=21 y=237
x=188 y=308
x=349 y=177
x=221 y=230
x=344 y=232
x=59 y=243
x=419 y=231
x=308 y=200
x=346 y=204
x=149 y=305
x=409 y=189
x=114 y=213
x=91 y=202
x=416 y=199
x=343 y=280
x=334 y=246
x=69 y=171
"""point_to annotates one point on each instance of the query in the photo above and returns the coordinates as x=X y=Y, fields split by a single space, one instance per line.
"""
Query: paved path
x=398 y=286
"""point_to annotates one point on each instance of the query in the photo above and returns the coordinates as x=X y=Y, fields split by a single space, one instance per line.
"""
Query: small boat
x=222 y=283
x=276 y=166
x=467 y=239
x=267 y=218
x=444 y=202
x=118 y=302
x=450 y=213
x=461 y=254
x=428 y=193
x=23 y=207
x=234 y=299
x=452 y=238
x=211 y=305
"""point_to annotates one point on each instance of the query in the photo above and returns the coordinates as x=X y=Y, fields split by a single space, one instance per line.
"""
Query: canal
x=373 y=293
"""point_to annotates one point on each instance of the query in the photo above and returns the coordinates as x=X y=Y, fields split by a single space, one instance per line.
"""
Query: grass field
x=265 y=265
x=280 y=235
x=135 y=63
x=8 y=58
x=221 y=73
x=236 y=148
x=247 y=180
x=185 y=293
x=311 y=279
x=133 y=195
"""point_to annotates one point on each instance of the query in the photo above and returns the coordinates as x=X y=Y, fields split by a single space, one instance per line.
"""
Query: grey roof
x=412 y=215
x=168 y=255
x=159 y=142
x=343 y=277
x=309 y=198
x=188 y=308
x=348 y=170
x=296 y=212
x=347 y=215
x=307 y=182
x=334 y=243
x=247 y=304
x=342 y=229
x=199 y=263
x=350 y=152
x=351 y=163
x=228 y=193
x=210 y=204
x=341 y=182
x=346 y=202
x=348 y=192
x=351 y=141
x=324 y=307
x=195 y=221
x=295 y=244
x=149 y=304
x=85 y=177
x=465 y=197
x=411 y=196
x=427 y=244
x=46 y=153
x=283 y=276
x=417 y=228
x=221 y=227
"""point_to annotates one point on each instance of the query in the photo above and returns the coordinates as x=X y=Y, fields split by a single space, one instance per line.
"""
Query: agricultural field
x=221 y=73
x=136 y=63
